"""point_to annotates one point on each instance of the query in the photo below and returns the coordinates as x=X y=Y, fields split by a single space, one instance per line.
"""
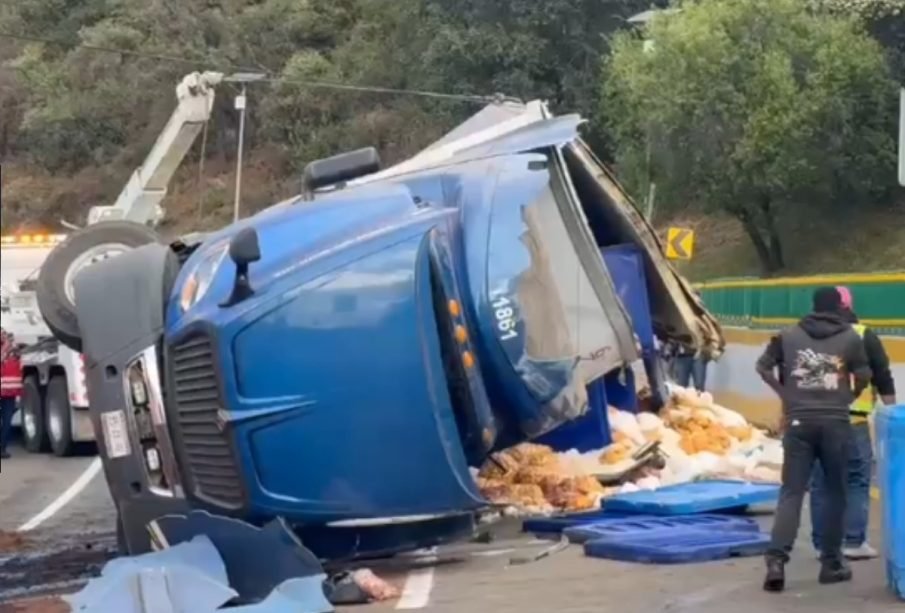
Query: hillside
x=873 y=241
x=85 y=89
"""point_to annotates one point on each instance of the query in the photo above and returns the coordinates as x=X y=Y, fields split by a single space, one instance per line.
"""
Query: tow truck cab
x=345 y=356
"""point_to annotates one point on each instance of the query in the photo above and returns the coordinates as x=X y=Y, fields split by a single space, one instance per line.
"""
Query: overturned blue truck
x=340 y=359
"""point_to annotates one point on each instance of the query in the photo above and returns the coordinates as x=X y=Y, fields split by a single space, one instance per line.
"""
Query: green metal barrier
x=879 y=299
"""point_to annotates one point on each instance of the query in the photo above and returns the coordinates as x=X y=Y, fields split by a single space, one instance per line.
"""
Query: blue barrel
x=891 y=477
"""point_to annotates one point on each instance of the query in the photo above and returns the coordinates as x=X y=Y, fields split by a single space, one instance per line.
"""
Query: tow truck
x=54 y=403
x=55 y=400
x=340 y=359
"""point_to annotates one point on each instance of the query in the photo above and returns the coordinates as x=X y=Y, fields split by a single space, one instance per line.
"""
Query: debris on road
x=191 y=576
x=694 y=437
x=40 y=605
x=45 y=569
x=238 y=545
x=561 y=545
x=359 y=587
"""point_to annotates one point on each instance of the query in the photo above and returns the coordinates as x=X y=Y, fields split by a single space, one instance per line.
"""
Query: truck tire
x=59 y=417
x=54 y=288
x=34 y=432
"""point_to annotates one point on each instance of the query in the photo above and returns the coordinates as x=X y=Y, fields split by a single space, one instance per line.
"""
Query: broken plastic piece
x=242 y=546
x=188 y=577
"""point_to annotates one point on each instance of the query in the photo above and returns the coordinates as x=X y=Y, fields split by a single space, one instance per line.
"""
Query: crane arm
x=139 y=201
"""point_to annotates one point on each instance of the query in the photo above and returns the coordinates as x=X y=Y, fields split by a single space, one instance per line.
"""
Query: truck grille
x=207 y=453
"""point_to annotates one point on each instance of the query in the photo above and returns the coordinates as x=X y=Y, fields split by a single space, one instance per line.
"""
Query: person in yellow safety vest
x=860 y=466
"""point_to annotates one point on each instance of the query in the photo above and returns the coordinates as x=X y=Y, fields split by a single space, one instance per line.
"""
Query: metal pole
x=902 y=137
x=651 y=195
x=240 y=104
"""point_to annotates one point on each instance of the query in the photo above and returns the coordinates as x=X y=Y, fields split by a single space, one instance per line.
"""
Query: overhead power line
x=229 y=67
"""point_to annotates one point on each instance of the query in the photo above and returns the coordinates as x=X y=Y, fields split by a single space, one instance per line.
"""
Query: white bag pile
x=701 y=439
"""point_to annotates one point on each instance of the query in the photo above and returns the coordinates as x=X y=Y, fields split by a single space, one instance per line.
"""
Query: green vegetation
x=762 y=110
x=788 y=102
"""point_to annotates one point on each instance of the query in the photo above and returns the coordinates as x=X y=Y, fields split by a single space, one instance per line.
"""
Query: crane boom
x=139 y=201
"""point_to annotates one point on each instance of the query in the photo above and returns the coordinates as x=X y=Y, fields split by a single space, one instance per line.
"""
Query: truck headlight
x=199 y=280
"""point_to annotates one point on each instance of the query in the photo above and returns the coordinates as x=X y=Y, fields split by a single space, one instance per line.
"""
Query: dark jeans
x=688 y=369
x=7 y=410
x=860 y=468
x=806 y=442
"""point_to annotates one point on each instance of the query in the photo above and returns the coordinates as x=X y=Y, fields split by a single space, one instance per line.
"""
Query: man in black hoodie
x=822 y=367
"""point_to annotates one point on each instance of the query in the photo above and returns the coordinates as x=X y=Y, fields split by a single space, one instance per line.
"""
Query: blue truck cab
x=345 y=356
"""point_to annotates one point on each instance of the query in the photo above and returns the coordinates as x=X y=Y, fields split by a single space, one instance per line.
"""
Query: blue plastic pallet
x=694 y=498
x=680 y=547
x=558 y=523
x=643 y=527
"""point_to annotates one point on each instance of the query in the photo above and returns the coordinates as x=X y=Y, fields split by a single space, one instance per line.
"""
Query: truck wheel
x=33 y=423
x=55 y=289
x=59 y=417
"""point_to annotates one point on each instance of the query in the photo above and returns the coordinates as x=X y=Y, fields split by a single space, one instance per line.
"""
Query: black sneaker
x=4 y=455
x=836 y=572
x=776 y=576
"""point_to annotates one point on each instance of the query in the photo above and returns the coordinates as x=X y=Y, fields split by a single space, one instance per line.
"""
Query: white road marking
x=65 y=498
x=418 y=585
x=492 y=553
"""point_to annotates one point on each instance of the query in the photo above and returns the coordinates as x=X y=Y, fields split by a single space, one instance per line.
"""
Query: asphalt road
x=30 y=483
x=481 y=578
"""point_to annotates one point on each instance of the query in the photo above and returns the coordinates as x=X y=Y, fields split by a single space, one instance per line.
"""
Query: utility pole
x=241 y=101
x=902 y=137
x=241 y=104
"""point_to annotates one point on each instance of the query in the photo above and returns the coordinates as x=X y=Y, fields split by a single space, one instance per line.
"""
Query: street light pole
x=244 y=78
x=240 y=106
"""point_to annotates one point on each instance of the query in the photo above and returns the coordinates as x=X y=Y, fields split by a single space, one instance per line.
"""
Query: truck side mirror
x=243 y=250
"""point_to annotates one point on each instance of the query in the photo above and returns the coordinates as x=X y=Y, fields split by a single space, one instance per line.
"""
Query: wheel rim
x=94 y=255
x=56 y=426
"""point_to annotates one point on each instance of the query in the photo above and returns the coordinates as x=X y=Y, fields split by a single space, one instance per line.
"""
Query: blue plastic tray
x=643 y=527
x=692 y=498
x=558 y=523
x=680 y=547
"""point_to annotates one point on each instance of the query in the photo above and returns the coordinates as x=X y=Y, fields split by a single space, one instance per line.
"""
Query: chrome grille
x=206 y=450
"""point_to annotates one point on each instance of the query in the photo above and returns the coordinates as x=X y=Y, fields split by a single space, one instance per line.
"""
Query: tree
x=757 y=109
x=526 y=48
x=885 y=19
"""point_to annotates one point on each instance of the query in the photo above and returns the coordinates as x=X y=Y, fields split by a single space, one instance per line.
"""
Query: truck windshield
x=557 y=328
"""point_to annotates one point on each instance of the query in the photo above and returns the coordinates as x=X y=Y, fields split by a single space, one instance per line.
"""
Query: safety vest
x=10 y=378
x=865 y=403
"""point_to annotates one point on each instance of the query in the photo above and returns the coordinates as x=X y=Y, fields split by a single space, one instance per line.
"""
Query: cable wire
x=348 y=87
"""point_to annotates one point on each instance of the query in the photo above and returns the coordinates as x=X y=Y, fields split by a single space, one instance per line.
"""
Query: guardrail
x=771 y=303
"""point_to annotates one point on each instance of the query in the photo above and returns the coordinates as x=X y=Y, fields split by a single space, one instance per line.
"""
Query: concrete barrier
x=735 y=384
